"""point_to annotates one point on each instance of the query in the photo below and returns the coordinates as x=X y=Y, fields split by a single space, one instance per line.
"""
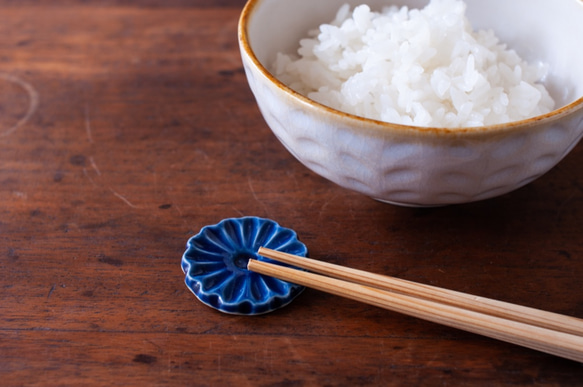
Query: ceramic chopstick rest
x=215 y=265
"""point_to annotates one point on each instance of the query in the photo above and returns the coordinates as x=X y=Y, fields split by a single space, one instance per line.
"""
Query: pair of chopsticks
x=532 y=328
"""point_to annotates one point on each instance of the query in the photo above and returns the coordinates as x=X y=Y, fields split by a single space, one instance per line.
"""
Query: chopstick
x=546 y=340
x=496 y=308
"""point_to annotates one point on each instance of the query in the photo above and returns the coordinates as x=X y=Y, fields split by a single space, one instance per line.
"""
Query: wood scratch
x=324 y=206
x=32 y=104
x=228 y=111
x=89 y=177
x=252 y=189
x=238 y=211
x=88 y=124
x=181 y=215
x=94 y=166
x=20 y=194
x=178 y=209
x=256 y=197
x=123 y=199
x=51 y=291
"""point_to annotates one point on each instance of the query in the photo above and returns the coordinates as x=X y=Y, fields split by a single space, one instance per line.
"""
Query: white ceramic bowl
x=417 y=166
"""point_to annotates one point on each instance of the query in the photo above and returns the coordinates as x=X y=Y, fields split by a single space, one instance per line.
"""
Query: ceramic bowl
x=416 y=166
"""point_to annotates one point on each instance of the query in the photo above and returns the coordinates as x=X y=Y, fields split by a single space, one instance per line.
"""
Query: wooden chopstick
x=535 y=337
x=532 y=316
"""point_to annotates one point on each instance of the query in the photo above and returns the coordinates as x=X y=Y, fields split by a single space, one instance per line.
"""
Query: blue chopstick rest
x=215 y=265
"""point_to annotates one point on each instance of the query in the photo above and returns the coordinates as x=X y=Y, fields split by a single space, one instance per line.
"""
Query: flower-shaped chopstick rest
x=215 y=265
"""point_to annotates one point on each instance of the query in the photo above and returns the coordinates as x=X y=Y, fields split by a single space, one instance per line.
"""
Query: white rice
x=415 y=67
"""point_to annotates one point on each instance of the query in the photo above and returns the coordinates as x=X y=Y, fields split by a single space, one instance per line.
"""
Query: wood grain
x=145 y=131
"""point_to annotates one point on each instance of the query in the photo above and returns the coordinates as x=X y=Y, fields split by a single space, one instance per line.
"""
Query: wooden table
x=126 y=126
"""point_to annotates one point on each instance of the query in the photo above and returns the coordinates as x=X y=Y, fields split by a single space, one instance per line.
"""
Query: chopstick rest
x=215 y=265
x=489 y=318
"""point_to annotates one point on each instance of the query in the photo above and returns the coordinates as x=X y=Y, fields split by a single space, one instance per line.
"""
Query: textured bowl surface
x=416 y=166
x=215 y=264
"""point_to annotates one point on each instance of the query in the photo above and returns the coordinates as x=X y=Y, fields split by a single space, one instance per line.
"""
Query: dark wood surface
x=127 y=126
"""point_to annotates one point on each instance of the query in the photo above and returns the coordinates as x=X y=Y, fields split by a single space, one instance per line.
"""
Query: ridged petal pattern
x=215 y=265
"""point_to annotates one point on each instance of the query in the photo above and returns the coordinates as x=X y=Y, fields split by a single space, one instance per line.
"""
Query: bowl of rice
x=419 y=103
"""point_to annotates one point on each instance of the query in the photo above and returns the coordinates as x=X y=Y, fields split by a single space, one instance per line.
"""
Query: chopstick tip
x=250 y=264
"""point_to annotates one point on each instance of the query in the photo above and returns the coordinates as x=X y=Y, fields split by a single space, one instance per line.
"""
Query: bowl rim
x=384 y=126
